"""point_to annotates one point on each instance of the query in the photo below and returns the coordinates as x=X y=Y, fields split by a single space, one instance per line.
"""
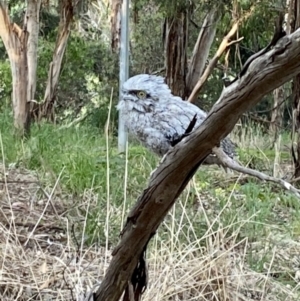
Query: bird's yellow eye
x=141 y=94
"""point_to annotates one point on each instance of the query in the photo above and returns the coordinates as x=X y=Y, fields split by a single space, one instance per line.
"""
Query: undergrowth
x=246 y=215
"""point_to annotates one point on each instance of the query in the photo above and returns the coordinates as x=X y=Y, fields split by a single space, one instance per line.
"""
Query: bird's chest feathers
x=139 y=113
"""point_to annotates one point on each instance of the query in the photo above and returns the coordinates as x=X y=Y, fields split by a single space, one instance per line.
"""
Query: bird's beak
x=127 y=97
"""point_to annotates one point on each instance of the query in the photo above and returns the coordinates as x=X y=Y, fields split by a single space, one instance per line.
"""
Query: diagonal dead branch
x=207 y=72
x=226 y=42
x=235 y=41
x=278 y=34
x=233 y=165
x=264 y=74
x=201 y=49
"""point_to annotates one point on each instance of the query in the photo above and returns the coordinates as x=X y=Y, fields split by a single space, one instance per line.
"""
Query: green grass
x=80 y=156
x=251 y=211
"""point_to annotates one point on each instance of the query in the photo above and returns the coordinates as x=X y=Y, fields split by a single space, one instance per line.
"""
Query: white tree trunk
x=166 y=183
x=45 y=109
x=21 y=46
x=124 y=70
x=32 y=26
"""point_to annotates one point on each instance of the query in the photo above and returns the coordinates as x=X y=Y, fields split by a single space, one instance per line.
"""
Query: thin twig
x=91 y=292
x=235 y=42
x=42 y=214
x=295 y=180
x=233 y=165
x=223 y=46
x=18 y=181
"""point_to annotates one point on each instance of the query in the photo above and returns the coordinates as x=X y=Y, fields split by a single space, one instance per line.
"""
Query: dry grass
x=220 y=273
x=40 y=256
x=43 y=256
x=213 y=267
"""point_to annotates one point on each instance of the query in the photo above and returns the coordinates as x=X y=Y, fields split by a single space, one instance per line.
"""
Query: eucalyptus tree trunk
x=21 y=46
x=279 y=93
x=294 y=20
x=180 y=76
x=115 y=24
x=127 y=267
x=45 y=109
x=32 y=16
x=200 y=54
x=296 y=125
x=277 y=112
x=176 y=36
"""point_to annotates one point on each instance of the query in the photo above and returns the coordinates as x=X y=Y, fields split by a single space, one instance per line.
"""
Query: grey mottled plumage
x=156 y=117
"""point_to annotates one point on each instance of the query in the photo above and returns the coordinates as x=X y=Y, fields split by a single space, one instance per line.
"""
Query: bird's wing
x=174 y=117
x=183 y=112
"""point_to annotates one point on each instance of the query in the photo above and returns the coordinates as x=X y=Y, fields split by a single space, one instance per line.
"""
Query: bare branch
x=201 y=48
x=4 y=24
x=264 y=74
x=46 y=107
x=235 y=42
x=228 y=162
x=223 y=46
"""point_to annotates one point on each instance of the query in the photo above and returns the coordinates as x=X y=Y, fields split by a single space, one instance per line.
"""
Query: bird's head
x=142 y=92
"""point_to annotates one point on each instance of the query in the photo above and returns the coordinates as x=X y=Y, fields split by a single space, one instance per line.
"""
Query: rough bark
x=296 y=125
x=175 y=48
x=21 y=46
x=294 y=13
x=187 y=81
x=45 y=109
x=115 y=24
x=264 y=74
x=201 y=49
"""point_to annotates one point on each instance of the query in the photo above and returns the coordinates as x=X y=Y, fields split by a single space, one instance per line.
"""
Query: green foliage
x=5 y=83
x=87 y=89
x=45 y=54
x=49 y=21
x=167 y=7
x=89 y=71
x=172 y=7
x=16 y=10
x=87 y=163
x=82 y=90
x=91 y=170
x=147 y=55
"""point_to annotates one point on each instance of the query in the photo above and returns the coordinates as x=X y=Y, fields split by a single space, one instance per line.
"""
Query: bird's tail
x=229 y=147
